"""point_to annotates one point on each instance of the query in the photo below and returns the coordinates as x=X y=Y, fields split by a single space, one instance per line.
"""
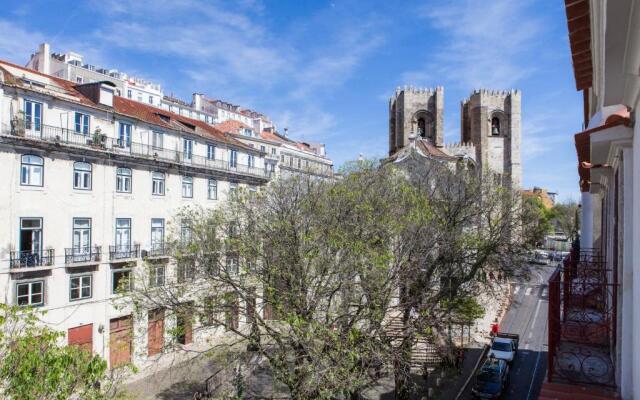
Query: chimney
x=286 y=131
x=45 y=54
x=197 y=101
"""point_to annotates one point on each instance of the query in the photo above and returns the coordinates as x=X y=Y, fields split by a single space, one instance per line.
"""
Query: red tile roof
x=268 y=135
x=143 y=112
x=164 y=118
x=583 y=144
x=579 y=26
x=65 y=85
x=232 y=126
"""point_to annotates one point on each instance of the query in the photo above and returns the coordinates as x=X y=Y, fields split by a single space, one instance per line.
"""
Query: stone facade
x=490 y=127
x=419 y=111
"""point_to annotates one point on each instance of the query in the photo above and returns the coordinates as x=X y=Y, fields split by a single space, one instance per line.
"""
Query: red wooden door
x=120 y=336
x=81 y=336
x=156 y=332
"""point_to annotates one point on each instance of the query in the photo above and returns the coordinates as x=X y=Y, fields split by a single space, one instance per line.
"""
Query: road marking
x=535 y=316
x=530 y=334
x=533 y=379
x=517 y=289
x=528 y=291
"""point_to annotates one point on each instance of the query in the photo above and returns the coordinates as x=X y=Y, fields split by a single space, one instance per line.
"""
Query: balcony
x=157 y=250
x=582 y=321
x=62 y=136
x=31 y=259
x=124 y=252
x=82 y=255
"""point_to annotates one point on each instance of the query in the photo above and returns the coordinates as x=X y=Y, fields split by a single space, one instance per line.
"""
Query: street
x=527 y=317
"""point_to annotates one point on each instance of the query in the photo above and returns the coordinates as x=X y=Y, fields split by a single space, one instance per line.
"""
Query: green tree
x=308 y=275
x=565 y=217
x=34 y=366
x=537 y=220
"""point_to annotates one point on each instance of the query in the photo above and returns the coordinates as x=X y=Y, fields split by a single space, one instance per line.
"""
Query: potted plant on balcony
x=17 y=124
x=98 y=139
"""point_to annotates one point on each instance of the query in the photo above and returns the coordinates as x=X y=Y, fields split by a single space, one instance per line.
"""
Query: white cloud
x=17 y=44
x=482 y=44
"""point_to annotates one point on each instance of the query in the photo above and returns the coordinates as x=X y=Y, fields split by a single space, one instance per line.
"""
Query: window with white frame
x=157 y=140
x=233 y=265
x=273 y=151
x=233 y=158
x=186 y=234
x=129 y=94
x=150 y=99
x=31 y=170
x=123 y=180
x=187 y=148
x=80 y=287
x=263 y=149
x=30 y=293
x=211 y=152
x=157 y=275
x=124 y=135
x=81 y=123
x=121 y=280
x=33 y=115
x=233 y=188
x=82 y=176
x=157 y=234
x=187 y=186
x=212 y=191
x=251 y=161
x=157 y=183
x=81 y=239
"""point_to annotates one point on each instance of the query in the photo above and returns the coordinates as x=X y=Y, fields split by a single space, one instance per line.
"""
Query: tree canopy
x=34 y=366
x=309 y=274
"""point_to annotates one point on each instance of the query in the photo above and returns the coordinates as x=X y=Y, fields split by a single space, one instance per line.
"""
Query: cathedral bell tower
x=416 y=111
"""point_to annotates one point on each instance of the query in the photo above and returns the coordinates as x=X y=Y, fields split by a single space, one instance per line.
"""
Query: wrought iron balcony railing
x=582 y=320
x=31 y=258
x=83 y=254
x=115 y=145
x=123 y=252
x=156 y=250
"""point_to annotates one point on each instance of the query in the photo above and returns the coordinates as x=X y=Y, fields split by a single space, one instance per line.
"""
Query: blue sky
x=326 y=69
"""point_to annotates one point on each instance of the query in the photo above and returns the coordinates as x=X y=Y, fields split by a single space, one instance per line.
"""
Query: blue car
x=491 y=380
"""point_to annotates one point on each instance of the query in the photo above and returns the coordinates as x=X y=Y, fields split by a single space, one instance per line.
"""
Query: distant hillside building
x=548 y=198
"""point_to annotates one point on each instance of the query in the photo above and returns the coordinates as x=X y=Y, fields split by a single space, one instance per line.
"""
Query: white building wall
x=57 y=203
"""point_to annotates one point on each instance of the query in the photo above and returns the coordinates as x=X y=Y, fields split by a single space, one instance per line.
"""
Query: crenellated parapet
x=461 y=149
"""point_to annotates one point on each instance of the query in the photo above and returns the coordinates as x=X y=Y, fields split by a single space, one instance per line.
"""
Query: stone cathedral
x=489 y=129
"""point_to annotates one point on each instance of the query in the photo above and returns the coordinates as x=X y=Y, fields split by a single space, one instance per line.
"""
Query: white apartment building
x=90 y=185
x=283 y=156
x=594 y=306
x=256 y=129
x=71 y=66
x=216 y=111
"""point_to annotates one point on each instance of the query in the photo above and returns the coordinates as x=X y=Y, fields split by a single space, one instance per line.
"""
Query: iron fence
x=99 y=141
x=82 y=254
x=31 y=258
x=122 y=252
x=582 y=310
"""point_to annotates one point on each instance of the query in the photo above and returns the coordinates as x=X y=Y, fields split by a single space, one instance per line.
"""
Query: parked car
x=491 y=379
x=504 y=346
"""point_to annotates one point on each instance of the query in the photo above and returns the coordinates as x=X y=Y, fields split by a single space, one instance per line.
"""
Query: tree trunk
x=402 y=364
